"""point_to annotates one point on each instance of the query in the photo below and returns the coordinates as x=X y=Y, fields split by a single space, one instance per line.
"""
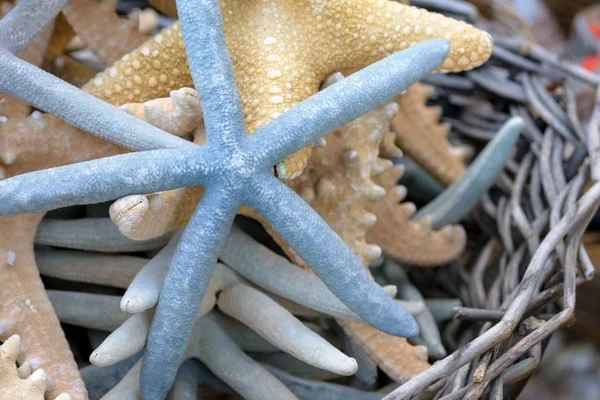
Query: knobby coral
x=233 y=168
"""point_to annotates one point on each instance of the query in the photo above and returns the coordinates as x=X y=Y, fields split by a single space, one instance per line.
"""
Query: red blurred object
x=594 y=28
x=590 y=62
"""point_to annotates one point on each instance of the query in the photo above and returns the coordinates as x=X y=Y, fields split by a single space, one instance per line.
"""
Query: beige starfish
x=420 y=135
x=20 y=383
x=93 y=21
x=272 y=46
x=26 y=310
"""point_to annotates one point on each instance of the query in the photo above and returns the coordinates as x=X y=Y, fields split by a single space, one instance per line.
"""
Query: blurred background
x=571 y=364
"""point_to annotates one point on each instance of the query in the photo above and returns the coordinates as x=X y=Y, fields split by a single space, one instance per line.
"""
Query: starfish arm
x=114 y=270
x=143 y=292
x=100 y=380
x=184 y=288
x=211 y=69
x=28 y=83
x=347 y=100
x=22 y=24
x=280 y=328
x=191 y=374
x=211 y=344
x=97 y=181
x=91 y=234
x=88 y=310
x=460 y=198
x=277 y=275
x=125 y=341
x=314 y=241
x=129 y=387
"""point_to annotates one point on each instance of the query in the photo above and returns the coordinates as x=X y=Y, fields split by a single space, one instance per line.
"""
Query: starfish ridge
x=234 y=168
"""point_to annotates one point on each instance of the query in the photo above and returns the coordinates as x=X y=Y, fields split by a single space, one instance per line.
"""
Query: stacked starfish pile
x=272 y=61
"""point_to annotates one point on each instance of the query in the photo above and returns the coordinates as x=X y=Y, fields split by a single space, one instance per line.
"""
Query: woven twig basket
x=518 y=281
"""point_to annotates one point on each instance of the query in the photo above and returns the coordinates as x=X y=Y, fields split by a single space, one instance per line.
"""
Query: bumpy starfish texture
x=239 y=172
x=423 y=138
x=33 y=54
x=415 y=243
x=26 y=310
x=21 y=383
x=271 y=46
x=93 y=21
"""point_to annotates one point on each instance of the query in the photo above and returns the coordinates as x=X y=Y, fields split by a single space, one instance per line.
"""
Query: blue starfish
x=233 y=167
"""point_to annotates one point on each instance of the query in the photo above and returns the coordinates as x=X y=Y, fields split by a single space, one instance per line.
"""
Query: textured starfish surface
x=21 y=383
x=413 y=242
x=26 y=310
x=271 y=46
x=338 y=184
x=33 y=54
x=234 y=169
x=423 y=138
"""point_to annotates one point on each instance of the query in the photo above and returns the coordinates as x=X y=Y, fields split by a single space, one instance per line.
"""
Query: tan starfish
x=106 y=34
x=272 y=45
x=57 y=62
x=420 y=135
x=26 y=310
x=21 y=383
x=27 y=144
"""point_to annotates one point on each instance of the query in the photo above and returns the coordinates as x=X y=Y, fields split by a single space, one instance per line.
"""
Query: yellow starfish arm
x=272 y=47
x=377 y=28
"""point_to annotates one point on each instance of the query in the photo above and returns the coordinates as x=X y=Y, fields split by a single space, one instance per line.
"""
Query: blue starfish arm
x=325 y=252
x=183 y=290
x=211 y=69
x=277 y=275
x=25 y=21
x=460 y=198
x=100 y=180
x=32 y=85
x=347 y=100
